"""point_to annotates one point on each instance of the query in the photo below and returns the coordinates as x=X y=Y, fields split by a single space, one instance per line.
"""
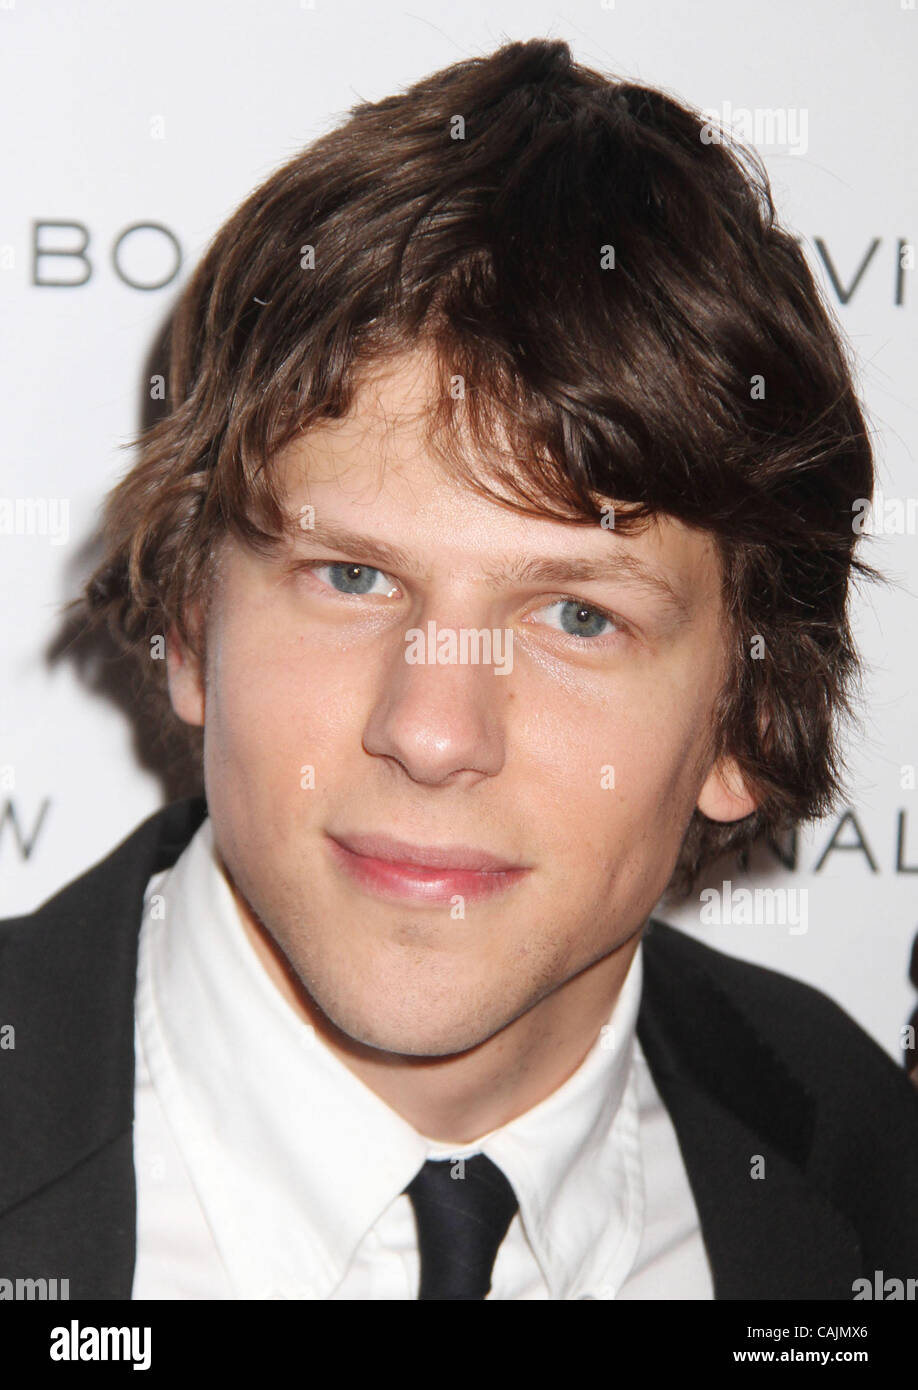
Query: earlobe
x=725 y=795
x=186 y=679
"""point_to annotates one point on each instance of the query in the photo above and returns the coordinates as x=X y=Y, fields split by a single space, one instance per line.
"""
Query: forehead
x=373 y=472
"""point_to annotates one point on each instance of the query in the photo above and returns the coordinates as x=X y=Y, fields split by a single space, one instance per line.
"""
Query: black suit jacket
x=748 y=1063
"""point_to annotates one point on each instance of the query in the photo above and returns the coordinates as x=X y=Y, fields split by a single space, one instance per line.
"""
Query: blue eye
x=579 y=619
x=349 y=578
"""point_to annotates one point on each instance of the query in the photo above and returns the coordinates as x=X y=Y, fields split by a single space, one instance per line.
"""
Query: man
x=498 y=541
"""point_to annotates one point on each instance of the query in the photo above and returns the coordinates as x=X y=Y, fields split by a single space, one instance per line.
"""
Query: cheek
x=251 y=733
x=276 y=707
x=242 y=698
x=620 y=782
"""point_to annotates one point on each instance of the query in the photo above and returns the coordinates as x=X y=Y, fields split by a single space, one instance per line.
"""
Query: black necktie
x=461 y=1222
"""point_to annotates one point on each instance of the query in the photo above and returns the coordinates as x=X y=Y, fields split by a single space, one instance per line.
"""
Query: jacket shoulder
x=70 y=963
x=153 y=845
x=799 y=1021
x=772 y=1024
x=806 y=1084
x=67 y=978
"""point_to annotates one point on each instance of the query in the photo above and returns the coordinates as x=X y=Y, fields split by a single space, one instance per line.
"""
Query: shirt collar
x=295 y=1159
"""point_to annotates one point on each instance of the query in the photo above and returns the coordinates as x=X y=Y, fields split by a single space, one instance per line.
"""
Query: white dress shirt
x=267 y=1169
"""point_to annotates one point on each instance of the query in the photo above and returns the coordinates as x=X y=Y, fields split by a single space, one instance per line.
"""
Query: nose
x=441 y=719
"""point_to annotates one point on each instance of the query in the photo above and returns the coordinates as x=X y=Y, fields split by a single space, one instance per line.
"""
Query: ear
x=725 y=795
x=186 y=678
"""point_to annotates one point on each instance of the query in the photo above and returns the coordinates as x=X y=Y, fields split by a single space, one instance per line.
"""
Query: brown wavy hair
x=477 y=215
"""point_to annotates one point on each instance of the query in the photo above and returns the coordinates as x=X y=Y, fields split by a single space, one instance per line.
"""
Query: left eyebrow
x=618 y=567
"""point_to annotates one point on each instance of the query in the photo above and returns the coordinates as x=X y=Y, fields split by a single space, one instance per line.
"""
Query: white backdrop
x=116 y=114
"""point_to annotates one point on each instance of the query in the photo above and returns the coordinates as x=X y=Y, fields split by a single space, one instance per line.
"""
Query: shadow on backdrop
x=99 y=663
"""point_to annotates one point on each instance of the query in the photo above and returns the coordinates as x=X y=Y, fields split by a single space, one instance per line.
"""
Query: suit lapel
x=737 y=1109
x=67 y=1192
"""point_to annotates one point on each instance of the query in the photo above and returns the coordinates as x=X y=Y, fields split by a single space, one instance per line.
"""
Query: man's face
x=581 y=765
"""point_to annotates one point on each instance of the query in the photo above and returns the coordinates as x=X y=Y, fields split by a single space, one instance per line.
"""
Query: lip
x=393 y=869
x=394 y=851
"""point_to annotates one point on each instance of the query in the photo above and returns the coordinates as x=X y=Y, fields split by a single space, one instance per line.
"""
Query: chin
x=408 y=1035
